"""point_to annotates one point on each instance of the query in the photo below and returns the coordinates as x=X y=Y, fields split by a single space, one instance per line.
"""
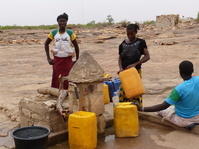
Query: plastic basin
x=33 y=137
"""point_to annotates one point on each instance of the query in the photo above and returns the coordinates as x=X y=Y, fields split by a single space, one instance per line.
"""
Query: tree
x=197 y=17
x=91 y=22
x=110 y=19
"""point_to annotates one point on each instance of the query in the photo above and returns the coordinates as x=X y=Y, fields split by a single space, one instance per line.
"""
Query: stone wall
x=40 y=110
x=167 y=21
x=41 y=113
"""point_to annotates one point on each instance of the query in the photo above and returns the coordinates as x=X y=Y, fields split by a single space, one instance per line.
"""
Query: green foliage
x=91 y=22
x=110 y=19
x=148 y=22
x=28 y=27
x=92 y=25
x=124 y=23
x=197 y=17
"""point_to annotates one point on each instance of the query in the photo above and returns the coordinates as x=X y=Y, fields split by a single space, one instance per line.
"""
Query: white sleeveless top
x=62 y=43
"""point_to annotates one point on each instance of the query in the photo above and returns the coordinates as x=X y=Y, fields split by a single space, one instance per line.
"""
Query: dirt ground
x=24 y=67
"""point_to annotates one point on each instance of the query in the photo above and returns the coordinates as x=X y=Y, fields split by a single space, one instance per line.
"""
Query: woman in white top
x=65 y=47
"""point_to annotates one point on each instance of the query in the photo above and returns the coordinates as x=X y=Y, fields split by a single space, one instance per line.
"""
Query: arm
x=172 y=99
x=76 y=48
x=144 y=59
x=156 y=108
x=48 y=41
x=120 y=63
x=120 y=59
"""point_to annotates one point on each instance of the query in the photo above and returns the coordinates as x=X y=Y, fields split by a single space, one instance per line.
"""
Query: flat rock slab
x=7 y=142
x=2 y=147
x=158 y=120
x=5 y=127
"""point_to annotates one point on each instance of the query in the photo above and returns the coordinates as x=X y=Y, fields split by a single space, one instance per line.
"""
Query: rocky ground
x=24 y=67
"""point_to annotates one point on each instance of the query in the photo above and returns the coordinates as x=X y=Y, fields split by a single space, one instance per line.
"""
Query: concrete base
x=39 y=111
x=158 y=120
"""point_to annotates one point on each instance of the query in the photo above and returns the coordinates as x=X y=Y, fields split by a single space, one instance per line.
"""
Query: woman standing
x=64 y=49
x=133 y=52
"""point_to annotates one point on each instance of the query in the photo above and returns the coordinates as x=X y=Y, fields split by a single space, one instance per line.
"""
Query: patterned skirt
x=135 y=100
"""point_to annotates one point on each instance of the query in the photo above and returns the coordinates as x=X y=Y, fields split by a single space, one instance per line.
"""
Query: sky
x=45 y=12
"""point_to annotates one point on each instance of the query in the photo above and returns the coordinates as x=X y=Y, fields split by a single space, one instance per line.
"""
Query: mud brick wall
x=40 y=113
x=167 y=21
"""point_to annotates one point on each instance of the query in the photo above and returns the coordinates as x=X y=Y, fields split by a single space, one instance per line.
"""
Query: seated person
x=184 y=97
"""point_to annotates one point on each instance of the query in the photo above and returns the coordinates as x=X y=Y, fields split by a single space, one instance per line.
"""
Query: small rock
x=99 y=41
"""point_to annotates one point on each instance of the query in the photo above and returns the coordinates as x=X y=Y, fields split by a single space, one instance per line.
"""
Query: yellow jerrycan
x=126 y=121
x=82 y=130
x=123 y=103
x=131 y=83
x=106 y=94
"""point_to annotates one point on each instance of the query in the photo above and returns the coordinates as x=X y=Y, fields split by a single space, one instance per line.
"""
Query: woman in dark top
x=132 y=53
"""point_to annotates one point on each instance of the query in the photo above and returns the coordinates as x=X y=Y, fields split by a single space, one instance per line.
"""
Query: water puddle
x=144 y=141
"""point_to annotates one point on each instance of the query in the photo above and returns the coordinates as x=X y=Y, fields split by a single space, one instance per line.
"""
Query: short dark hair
x=134 y=27
x=63 y=16
x=186 y=68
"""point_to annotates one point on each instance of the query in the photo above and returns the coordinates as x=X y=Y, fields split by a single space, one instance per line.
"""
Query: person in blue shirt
x=184 y=97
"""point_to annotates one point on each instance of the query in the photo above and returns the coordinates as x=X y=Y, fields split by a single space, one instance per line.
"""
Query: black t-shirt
x=131 y=52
